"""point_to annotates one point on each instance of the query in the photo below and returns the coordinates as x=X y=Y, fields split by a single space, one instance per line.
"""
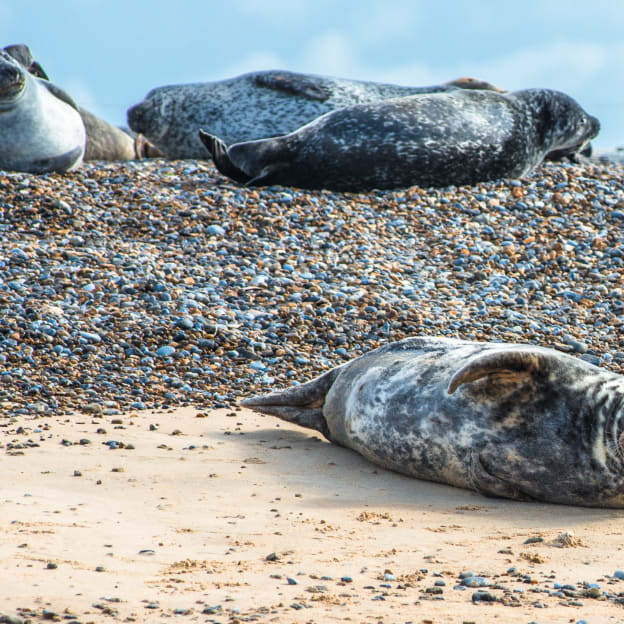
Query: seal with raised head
x=435 y=139
x=40 y=127
x=255 y=106
x=509 y=420
x=104 y=141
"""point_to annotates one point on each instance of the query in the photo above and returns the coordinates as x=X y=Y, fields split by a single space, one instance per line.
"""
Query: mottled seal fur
x=103 y=140
x=40 y=127
x=434 y=139
x=255 y=106
x=510 y=420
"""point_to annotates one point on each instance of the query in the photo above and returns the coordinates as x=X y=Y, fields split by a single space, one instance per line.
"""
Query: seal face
x=40 y=127
x=510 y=420
x=255 y=106
x=435 y=139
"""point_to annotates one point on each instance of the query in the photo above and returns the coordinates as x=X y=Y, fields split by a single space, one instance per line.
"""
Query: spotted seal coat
x=510 y=420
x=255 y=106
x=437 y=139
x=104 y=141
x=40 y=127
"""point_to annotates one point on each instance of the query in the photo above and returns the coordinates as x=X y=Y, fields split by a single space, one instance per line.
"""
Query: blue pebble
x=389 y=577
x=475 y=581
x=292 y=581
x=137 y=405
x=346 y=579
x=165 y=351
x=619 y=574
x=216 y=230
x=465 y=575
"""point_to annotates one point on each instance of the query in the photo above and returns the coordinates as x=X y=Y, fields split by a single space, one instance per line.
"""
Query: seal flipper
x=502 y=364
x=59 y=93
x=487 y=483
x=302 y=404
x=219 y=152
x=311 y=87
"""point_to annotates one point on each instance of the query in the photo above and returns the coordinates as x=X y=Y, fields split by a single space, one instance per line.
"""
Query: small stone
x=51 y=566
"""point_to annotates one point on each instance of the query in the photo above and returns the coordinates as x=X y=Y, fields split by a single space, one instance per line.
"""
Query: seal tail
x=219 y=153
x=302 y=404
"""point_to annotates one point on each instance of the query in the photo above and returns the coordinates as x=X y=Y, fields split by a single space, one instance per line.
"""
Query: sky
x=109 y=53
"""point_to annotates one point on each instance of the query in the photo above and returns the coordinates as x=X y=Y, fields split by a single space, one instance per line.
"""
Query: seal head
x=510 y=420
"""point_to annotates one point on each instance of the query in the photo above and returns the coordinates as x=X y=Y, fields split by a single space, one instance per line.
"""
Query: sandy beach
x=229 y=516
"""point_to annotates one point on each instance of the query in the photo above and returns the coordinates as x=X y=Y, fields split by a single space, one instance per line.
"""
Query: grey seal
x=434 y=139
x=103 y=140
x=510 y=420
x=40 y=127
x=255 y=106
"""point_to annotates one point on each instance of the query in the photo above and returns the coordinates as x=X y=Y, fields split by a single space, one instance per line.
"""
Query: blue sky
x=109 y=53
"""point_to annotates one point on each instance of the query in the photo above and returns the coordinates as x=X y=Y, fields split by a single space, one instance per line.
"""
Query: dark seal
x=255 y=106
x=40 y=128
x=104 y=141
x=509 y=420
x=437 y=139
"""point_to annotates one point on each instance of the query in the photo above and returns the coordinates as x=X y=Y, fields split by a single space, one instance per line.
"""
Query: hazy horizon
x=109 y=54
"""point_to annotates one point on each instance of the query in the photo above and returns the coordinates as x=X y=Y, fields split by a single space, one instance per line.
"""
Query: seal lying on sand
x=510 y=420
x=437 y=139
x=40 y=127
x=104 y=141
x=255 y=106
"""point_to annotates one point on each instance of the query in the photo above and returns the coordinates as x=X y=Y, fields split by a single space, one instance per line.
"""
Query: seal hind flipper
x=311 y=87
x=219 y=152
x=302 y=404
x=501 y=364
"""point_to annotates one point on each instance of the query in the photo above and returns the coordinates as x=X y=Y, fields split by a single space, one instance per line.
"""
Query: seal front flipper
x=59 y=93
x=508 y=366
x=311 y=87
x=219 y=152
x=302 y=404
x=487 y=483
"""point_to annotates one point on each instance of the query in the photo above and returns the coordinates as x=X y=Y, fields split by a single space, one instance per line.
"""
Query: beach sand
x=211 y=513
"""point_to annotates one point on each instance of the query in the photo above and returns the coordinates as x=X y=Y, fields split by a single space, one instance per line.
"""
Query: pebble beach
x=154 y=284
x=141 y=301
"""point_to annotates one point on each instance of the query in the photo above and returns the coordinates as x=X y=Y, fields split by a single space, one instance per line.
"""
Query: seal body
x=40 y=126
x=255 y=106
x=103 y=140
x=436 y=139
x=510 y=420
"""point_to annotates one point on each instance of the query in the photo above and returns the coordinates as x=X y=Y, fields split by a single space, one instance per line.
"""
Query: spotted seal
x=434 y=139
x=40 y=127
x=104 y=141
x=255 y=106
x=509 y=420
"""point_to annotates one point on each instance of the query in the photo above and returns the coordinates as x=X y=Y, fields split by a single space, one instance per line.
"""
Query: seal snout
x=12 y=80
